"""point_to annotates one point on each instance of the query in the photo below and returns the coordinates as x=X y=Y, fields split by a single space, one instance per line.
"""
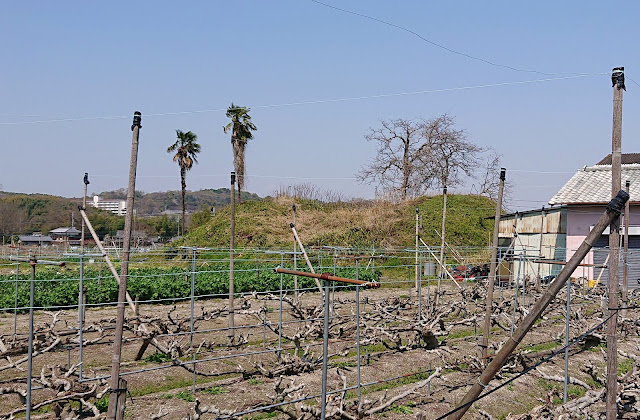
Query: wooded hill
x=354 y=224
x=155 y=203
x=27 y=213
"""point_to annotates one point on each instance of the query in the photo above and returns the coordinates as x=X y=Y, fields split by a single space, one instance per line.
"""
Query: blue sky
x=84 y=60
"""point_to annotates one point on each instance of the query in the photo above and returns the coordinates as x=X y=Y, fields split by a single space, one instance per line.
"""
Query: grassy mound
x=352 y=224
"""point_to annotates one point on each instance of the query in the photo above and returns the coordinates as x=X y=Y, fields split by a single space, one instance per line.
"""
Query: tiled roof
x=593 y=185
x=71 y=230
x=626 y=158
x=34 y=238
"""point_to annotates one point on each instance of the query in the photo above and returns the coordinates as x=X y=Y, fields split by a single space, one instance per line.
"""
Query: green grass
x=158 y=357
x=215 y=390
x=168 y=384
x=596 y=349
x=259 y=223
x=593 y=383
x=391 y=384
x=254 y=381
x=371 y=348
x=401 y=409
x=534 y=348
x=573 y=391
x=103 y=403
x=344 y=364
x=261 y=416
x=459 y=334
x=186 y=396
x=625 y=366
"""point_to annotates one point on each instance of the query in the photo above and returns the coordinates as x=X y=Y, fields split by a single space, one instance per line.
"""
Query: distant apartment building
x=118 y=207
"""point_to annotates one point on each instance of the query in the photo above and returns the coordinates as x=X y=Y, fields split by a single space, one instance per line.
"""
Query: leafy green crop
x=168 y=284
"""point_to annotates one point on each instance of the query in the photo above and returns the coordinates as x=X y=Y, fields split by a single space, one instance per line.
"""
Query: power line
x=633 y=81
x=310 y=102
x=435 y=44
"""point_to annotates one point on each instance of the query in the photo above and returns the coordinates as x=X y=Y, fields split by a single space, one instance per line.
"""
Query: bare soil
x=235 y=382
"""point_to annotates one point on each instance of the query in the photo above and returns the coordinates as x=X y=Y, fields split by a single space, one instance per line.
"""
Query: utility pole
x=81 y=284
x=492 y=268
x=617 y=79
x=442 y=263
x=417 y=244
x=614 y=208
x=625 y=256
x=295 y=256
x=118 y=394
x=232 y=246
x=542 y=229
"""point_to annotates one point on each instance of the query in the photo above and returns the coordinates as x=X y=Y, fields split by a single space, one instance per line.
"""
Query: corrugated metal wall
x=601 y=251
x=540 y=235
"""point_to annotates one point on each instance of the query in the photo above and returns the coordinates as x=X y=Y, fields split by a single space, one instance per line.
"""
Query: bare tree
x=400 y=163
x=488 y=180
x=451 y=155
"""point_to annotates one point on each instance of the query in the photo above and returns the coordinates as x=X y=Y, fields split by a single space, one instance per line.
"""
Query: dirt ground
x=243 y=377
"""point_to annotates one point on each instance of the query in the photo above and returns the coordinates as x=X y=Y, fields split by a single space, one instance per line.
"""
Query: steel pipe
x=327 y=276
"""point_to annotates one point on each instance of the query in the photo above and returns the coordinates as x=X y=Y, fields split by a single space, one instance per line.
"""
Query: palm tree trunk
x=183 y=176
x=238 y=163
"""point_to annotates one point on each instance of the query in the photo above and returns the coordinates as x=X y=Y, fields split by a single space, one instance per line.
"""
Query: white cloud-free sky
x=287 y=60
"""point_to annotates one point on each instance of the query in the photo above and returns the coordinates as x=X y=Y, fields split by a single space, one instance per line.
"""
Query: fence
x=282 y=324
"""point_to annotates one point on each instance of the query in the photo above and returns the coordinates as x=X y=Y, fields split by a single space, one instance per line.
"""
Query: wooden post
x=442 y=262
x=625 y=256
x=613 y=210
x=295 y=257
x=114 y=383
x=617 y=77
x=417 y=244
x=232 y=246
x=492 y=268
x=122 y=399
x=542 y=229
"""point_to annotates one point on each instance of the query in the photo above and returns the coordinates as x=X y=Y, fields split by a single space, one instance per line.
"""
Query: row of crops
x=59 y=288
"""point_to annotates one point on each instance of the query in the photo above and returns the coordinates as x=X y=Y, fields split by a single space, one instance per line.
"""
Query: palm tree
x=241 y=132
x=186 y=150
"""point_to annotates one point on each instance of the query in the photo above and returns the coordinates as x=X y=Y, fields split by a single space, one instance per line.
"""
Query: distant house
x=138 y=238
x=35 y=239
x=70 y=236
x=555 y=233
x=118 y=207
x=64 y=234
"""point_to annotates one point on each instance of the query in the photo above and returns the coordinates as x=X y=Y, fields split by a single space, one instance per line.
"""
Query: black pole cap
x=291 y=225
x=233 y=177
x=137 y=120
x=294 y=207
x=503 y=174
x=627 y=184
x=617 y=203
x=86 y=178
x=417 y=210
x=444 y=190
x=617 y=78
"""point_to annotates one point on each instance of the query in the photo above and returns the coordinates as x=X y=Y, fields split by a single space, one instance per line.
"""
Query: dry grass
x=357 y=223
